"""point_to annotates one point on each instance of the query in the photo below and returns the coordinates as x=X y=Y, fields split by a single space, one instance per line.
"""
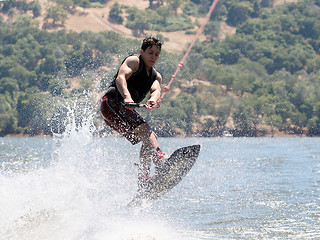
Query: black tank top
x=138 y=84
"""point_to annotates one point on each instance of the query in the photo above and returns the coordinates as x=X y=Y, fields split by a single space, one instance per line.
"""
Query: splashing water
x=78 y=191
x=77 y=186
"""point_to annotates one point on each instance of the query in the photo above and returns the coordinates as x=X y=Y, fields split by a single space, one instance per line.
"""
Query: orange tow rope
x=166 y=88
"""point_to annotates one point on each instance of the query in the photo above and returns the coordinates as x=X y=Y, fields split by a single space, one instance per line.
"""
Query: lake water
x=77 y=186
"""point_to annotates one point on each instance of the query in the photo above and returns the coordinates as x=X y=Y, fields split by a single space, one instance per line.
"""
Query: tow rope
x=166 y=88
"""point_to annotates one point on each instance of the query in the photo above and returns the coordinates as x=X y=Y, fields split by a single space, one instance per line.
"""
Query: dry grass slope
x=96 y=20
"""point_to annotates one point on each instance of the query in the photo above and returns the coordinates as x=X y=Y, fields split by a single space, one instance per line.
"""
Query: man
x=135 y=78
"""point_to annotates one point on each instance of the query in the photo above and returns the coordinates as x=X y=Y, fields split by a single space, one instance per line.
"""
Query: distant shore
x=276 y=135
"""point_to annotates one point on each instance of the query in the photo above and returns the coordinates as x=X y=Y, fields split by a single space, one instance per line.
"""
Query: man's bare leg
x=149 y=144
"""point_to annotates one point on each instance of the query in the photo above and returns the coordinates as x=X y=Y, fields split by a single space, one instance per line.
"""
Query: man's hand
x=151 y=104
x=128 y=100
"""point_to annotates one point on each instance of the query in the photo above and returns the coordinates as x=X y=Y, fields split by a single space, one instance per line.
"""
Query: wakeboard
x=169 y=174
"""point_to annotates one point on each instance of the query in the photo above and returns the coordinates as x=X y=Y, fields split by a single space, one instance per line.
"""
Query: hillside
x=96 y=20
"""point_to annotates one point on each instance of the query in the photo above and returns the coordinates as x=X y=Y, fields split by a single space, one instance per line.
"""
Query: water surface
x=77 y=187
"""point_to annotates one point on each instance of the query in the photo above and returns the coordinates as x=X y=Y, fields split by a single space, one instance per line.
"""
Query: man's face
x=150 y=55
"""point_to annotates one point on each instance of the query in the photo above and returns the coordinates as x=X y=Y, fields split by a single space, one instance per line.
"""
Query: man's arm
x=130 y=65
x=155 y=91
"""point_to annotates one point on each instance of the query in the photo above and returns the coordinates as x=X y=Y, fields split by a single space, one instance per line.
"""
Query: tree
x=174 y=4
x=137 y=21
x=57 y=86
x=50 y=65
x=266 y=3
x=6 y=65
x=313 y=64
x=34 y=111
x=26 y=22
x=245 y=118
x=243 y=83
x=11 y=14
x=164 y=12
x=256 y=9
x=84 y=3
x=29 y=50
x=313 y=126
x=8 y=85
x=287 y=61
x=285 y=109
x=151 y=6
x=36 y=9
x=57 y=14
x=115 y=13
x=219 y=12
x=238 y=13
x=309 y=28
x=68 y=5
x=7 y=124
x=24 y=77
x=212 y=30
x=226 y=78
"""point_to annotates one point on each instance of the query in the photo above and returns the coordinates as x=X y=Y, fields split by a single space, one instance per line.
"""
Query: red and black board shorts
x=120 y=119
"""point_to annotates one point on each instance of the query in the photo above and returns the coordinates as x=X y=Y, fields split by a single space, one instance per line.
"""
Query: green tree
x=245 y=118
x=34 y=109
x=267 y=3
x=6 y=65
x=243 y=83
x=212 y=30
x=68 y=5
x=309 y=28
x=56 y=14
x=36 y=9
x=50 y=65
x=151 y=5
x=164 y=12
x=9 y=85
x=115 y=13
x=24 y=77
x=285 y=109
x=137 y=22
x=226 y=78
x=7 y=124
x=313 y=126
x=238 y=13
x=84 y=3
x=174 y=4
x=313 y=64
x=57 y=86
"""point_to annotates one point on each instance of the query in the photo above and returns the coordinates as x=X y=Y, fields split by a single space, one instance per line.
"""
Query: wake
x=80 y=191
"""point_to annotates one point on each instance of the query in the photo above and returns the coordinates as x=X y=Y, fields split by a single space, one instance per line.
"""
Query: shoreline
x=177 y=136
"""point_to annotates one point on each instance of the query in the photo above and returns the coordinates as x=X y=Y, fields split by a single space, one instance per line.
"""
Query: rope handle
x=138 y=105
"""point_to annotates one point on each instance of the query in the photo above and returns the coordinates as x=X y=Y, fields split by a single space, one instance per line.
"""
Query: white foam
x=81 y=194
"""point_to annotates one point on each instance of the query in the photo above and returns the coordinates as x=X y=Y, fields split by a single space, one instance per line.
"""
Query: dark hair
x=149 y=42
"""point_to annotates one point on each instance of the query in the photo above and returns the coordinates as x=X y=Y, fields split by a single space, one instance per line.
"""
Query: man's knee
x=143 y=131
